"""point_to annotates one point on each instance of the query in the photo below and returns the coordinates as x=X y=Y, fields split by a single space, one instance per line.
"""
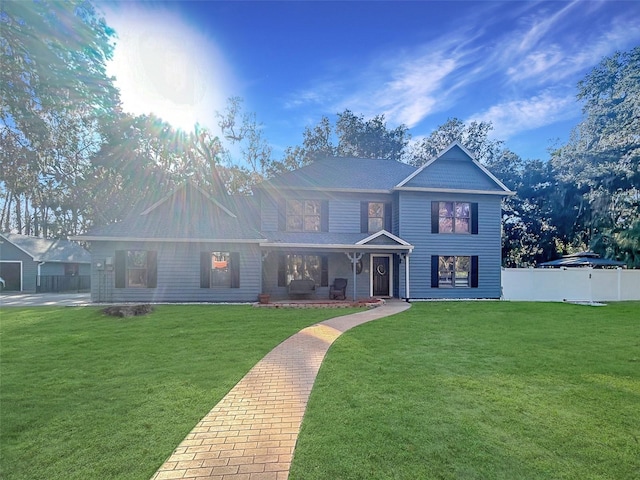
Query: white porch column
x=354 y=257
x=406 y=276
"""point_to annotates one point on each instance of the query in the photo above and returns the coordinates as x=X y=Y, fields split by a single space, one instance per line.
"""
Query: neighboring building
x=391 y=229
x=33 y=264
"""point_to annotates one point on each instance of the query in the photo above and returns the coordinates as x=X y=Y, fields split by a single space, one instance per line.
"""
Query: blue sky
x=515 y=64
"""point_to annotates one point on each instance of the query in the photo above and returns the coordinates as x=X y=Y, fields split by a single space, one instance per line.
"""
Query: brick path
x=252 y=432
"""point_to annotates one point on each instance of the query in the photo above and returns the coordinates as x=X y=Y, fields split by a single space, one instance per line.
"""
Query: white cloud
x=517 y=116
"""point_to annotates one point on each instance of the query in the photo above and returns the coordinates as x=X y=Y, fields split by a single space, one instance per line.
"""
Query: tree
x=369 y=138
x=55 y=93
x=602 y=157
x=474 y=137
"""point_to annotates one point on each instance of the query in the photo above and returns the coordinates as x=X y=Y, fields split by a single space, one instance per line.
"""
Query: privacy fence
x=570 y=284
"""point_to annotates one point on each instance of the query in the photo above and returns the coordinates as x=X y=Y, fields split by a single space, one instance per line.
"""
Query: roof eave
x=506 y=193
x=350 y=247
x=100 y=238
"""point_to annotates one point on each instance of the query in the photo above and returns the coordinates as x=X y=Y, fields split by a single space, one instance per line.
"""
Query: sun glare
x=163 y=66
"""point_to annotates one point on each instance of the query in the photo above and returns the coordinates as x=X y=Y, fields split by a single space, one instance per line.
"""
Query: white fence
x=570 y=284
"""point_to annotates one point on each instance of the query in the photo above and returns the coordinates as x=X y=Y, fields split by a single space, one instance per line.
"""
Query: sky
x=515 y=64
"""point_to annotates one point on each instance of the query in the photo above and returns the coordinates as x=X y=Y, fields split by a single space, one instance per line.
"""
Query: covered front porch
x=371 y=267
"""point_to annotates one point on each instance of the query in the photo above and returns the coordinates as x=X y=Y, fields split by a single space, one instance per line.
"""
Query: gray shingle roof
x=187 y=214
x=49 y=250
x=344 y=174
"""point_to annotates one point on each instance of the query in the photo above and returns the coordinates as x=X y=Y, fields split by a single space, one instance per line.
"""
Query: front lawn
x=87 y=396
x=479 y=390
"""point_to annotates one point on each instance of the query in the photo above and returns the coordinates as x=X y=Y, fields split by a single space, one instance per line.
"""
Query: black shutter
x=121 y=268
x=324 y=271
x=282 y=271
x=434 y=271
x=324 y=216
x=387 y=217
x=474 y=271
x=152 y=269
x=282 y=215
x=235 y=269
x=435 y=217
x=474 y=218
x=364 y=217
x=205 y=269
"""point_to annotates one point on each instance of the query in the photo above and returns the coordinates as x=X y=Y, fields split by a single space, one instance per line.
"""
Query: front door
x=381 y=272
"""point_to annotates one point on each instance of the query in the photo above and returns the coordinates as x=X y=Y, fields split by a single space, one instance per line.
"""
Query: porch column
x=354 y=257
x=406 y=276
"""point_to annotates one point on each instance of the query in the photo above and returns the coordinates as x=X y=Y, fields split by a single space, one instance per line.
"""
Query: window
x=220 y=273
x=219 y=269
x=304 y=215
x=452 y=271
x=136 y=269
x=454 y=217
x=376 y=216
x=300 y=267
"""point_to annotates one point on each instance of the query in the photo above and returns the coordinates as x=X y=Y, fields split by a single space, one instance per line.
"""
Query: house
x=33 y=264
x=390 y=229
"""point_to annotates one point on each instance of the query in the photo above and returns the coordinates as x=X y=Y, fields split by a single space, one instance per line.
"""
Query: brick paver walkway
x=252 y=432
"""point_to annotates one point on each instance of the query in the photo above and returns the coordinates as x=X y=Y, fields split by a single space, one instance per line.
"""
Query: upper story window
x=454 y=217
x=304 y=215
x=376 y=216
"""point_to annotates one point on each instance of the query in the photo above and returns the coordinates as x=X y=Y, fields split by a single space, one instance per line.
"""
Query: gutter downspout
x=38 y=277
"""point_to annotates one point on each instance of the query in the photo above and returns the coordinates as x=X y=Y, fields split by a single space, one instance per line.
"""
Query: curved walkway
x=252 y=432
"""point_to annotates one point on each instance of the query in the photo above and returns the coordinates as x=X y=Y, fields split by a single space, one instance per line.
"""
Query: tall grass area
x=479 y=390
x=87 y=396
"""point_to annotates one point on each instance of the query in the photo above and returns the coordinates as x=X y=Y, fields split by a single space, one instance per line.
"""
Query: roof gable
x=187 y=214
x=185 y=196
x=48 y=250
x=454 y=170
x=383 y=238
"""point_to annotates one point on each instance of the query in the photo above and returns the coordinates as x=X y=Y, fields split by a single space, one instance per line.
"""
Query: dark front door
x=381 y=276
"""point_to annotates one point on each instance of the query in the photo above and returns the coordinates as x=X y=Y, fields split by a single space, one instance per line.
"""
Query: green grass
x=481 y=390
x=86 y=396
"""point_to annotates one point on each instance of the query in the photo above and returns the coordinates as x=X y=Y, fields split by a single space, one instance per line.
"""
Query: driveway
x=43 y=299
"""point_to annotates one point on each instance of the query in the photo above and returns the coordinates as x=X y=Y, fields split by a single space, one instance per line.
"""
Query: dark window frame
x=123 y=269
x=472 y=276
x=207 y=269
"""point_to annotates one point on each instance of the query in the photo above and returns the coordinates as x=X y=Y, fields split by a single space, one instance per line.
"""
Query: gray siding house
x=390 y=229
x=32 y=264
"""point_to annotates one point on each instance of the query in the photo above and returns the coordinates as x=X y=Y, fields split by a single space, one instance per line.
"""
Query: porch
x=374 y=267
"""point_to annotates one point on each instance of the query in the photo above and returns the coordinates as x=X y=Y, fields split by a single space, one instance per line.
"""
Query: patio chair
x=339 y=289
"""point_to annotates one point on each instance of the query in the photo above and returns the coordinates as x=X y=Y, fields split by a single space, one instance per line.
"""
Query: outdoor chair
x=339 y=289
